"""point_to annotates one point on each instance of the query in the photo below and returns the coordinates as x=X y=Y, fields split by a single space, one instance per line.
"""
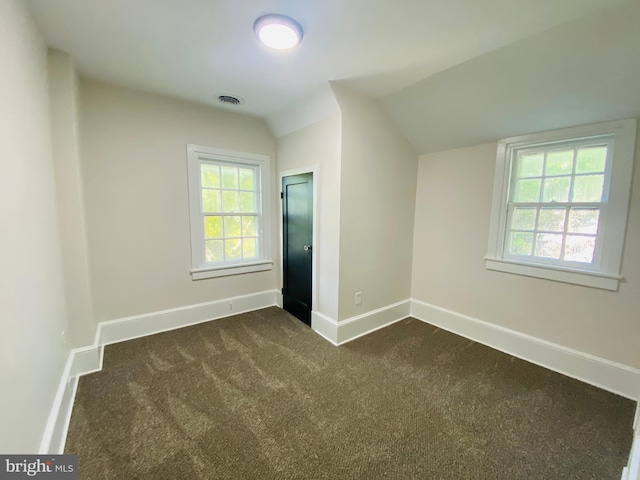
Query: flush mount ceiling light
x=278 y=31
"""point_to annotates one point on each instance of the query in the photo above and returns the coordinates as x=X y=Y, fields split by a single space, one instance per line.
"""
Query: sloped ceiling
x=449 y=72
x=581 y=72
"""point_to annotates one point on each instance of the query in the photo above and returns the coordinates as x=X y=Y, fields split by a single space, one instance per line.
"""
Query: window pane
x=588 y=188
x=551 y=219
x=548 y=245
x=247 y=180
x=213 y=250
x=556 y=189
x=249 y=249
x=229 y=177
x=233 y=249
x=229 y=201
x=579 y=248
x=520 y=243
x=591 y=160
x=523 y=219
x=232 y=227
x=247 y=202
x=210 y=176
x=559 y=163
x=531 y=165
x=527 y=191
x=210 y=200
x=249 y=227
x=212 y=227
x=583 y=220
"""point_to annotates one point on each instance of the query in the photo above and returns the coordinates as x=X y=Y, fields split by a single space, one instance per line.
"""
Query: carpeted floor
x=261 y=396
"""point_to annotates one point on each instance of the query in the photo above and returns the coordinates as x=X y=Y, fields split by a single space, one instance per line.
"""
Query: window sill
x=227 y=270
x=557 y=274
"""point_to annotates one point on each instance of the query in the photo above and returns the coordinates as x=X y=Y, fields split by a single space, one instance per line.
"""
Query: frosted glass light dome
x=278 y=31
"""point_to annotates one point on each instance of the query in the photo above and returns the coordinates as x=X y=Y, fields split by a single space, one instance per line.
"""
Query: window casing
x=560 y=204
x=228 y=202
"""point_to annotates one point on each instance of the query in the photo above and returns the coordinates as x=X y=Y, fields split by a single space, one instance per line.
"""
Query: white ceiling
x=581 y=72
x=198 y=49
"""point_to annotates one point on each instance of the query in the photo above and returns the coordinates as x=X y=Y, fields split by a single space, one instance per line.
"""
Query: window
x=560 y=204
x=228 y=196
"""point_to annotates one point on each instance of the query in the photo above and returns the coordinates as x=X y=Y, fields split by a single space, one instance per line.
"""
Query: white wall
x=32 y=299
x=451 y=231
x=135 y=187
x=63 y=93
x=319 y=144
x=377 y=199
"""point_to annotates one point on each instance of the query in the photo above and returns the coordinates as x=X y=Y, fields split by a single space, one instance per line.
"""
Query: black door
x=297 y=221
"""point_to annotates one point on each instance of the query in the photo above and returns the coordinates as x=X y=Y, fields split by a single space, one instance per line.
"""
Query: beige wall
x=134 y=164
x=63 y=93
x=377 y=198
x=319 y=144
x=451 y=231
x=32 y=300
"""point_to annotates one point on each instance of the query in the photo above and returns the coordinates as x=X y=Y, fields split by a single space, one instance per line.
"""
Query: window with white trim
x=228 y=200
x=560 y=204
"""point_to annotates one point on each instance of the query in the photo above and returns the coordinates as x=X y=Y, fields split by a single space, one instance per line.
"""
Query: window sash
x=545 y=149
x=553 y=147
x=256 y=213
x=565 y=232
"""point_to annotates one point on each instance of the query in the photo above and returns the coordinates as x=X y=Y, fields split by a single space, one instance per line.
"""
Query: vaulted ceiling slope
x=416 y=55
x=581 y=72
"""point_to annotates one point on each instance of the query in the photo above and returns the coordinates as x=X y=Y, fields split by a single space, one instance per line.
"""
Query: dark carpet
x=261 y=396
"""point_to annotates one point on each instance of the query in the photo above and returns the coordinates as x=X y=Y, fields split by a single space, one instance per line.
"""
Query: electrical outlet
x=358 y=298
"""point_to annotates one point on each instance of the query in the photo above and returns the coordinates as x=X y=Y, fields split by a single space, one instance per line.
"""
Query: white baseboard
x=324 y=326
x=59 y=435
x=614 y=377
x=602 y=373
x=58 y=410
x=342 y=332
x=80 y=361
x=360 y=325
x=137 y=326
x=84 y=360
x=632 y=470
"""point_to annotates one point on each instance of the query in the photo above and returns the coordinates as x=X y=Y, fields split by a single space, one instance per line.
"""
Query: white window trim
x=199 y=269
x=614 y=212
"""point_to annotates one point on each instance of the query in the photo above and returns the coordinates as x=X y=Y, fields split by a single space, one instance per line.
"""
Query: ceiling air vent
x=230 y=100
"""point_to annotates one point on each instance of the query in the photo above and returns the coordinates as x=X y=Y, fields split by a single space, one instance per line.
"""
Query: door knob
x=307 y=248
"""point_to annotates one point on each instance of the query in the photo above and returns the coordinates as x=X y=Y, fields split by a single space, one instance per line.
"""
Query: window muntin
x=230 y=208
x=557 y=212
x=556 y=194
x=228 y=211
